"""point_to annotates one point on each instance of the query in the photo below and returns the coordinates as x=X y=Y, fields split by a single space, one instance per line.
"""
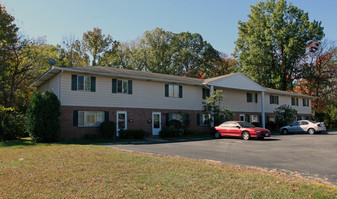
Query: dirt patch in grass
x=84 y=171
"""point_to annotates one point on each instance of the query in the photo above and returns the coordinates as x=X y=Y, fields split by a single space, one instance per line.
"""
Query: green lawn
x=87 y=171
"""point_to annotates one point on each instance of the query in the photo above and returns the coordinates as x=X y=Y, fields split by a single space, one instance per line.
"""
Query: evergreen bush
x=108 y=129
x=43 y=117
x=169 y=132
x=132 y=134
x=13 y=126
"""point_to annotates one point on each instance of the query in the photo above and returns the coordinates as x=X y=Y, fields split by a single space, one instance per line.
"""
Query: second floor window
x=121 y=86
x=274 y=99
x=83 y=83
x=294 y=101
x=251 y=97
x=173 y=91
x=305 y=102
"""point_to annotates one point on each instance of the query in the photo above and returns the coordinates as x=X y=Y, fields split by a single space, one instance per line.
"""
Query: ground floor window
x=182 y=117
x=271 y=118
x=205 y=120
x=90 y=118
x=254 y=119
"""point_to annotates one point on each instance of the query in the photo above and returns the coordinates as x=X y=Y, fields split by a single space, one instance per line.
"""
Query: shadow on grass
x=152 y=140
x=17 y=143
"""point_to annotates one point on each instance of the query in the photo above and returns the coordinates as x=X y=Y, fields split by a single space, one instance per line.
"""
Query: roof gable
x=235 y=81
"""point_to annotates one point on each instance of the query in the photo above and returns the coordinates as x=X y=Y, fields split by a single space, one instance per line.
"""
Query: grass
x=87 y=171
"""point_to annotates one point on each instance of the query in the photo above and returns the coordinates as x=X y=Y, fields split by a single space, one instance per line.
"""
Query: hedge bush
x=13 y=126
x=176 y=124
x=169 y=132
x=92 y=136
x=108 y=129
x=43 y=117
x=132 y=134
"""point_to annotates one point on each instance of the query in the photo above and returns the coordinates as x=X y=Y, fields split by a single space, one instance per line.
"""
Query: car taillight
x=319 y=125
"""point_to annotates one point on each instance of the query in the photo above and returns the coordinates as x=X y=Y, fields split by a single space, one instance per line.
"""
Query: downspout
x=212 y=114
x=263 y=111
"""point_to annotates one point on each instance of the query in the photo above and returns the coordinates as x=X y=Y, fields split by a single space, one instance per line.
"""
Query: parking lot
x=311 y=156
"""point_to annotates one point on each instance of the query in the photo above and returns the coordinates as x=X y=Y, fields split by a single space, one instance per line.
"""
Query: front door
x=121 y=121
x=156 y=123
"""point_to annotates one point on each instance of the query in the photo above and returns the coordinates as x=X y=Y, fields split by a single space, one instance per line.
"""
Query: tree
x=192 y=55
x=73 y=53
x=96 y=43
x=8 y=37
x=318 y=74
x=212 y=106
x=273 y=41
x=161 y=51
x=155 y=49
x=225 y=65
x=43 y=117
x=286 y=114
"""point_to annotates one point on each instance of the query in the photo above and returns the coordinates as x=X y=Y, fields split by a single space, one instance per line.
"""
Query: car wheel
x=311 y=131
x=284 y=131
x=245 y=135
x=217 y=135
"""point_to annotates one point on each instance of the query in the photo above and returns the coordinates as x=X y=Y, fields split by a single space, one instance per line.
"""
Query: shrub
x=169 y=132
x=176 y=124
x=13 y=126
x=190 y=132
x=108 y=129
x=286 y=114
x=330 y=116
x=132 y=134
x=92 y=136
x=43 y=117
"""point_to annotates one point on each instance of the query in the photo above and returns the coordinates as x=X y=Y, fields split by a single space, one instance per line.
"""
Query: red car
x=241 y=129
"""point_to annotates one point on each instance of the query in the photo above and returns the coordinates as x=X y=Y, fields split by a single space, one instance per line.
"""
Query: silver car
x=303 y=126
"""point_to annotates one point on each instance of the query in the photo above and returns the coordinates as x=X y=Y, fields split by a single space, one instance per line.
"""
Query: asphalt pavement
x=311 y=156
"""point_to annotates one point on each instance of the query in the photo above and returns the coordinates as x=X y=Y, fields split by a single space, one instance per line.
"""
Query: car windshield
x=246 y=125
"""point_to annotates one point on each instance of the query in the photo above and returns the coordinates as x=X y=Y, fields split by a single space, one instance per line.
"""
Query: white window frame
x=294 y=101
x=84 y=121
x=203 y=119
x=274 y=99
x=173 y=90
x=306 y=104
x=86 y=83
x=124 y=86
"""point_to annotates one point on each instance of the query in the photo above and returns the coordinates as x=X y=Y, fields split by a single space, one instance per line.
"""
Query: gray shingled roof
x=280 y=92
x=138 y=74
x=141 y=75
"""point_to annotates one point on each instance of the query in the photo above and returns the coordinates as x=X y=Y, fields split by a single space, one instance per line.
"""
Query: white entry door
x=156 y=123
x=121 y=121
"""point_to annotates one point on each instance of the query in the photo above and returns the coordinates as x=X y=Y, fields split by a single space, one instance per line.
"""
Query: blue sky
x=125 y=20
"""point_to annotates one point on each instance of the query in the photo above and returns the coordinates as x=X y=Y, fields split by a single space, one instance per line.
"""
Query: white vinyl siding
x=236 y=100
x=145 y=94
x=270 y=108
x=150 y=94
x=51 y=85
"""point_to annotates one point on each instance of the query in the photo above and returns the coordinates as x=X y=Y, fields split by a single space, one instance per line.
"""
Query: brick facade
x=137 y=118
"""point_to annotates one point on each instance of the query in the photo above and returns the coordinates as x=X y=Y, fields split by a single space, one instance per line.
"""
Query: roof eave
x=56 y=68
